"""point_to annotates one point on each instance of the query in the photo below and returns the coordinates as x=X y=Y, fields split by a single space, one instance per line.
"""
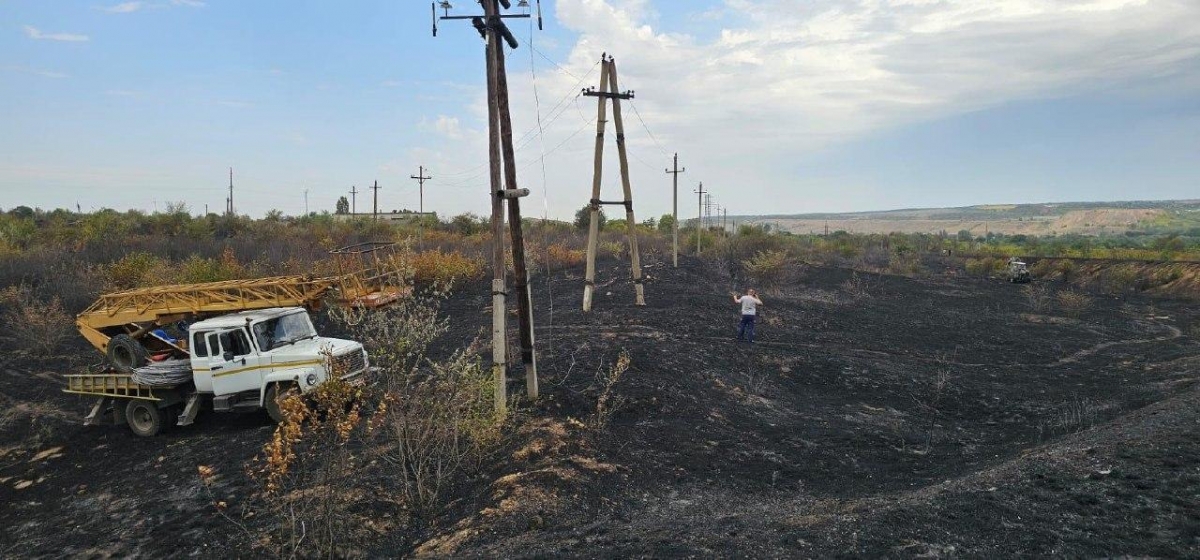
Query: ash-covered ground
x=875 y=416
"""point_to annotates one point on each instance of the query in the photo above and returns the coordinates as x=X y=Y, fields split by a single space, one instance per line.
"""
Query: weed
x=607 y=403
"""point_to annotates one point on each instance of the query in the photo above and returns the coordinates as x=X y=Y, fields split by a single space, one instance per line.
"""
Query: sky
x=777 y=106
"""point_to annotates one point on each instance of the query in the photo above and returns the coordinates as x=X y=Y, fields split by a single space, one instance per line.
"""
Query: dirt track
x=828 y=437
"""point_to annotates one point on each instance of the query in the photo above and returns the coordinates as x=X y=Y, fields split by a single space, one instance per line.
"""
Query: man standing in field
x=750 y=303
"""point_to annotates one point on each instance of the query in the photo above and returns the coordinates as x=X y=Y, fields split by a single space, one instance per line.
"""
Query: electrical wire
x=641 y=120
x=537 y=102
x=525 y=139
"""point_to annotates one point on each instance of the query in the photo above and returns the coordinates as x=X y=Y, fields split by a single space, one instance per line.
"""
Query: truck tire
x=144 y=418
x=126 y=354
x=271 y=401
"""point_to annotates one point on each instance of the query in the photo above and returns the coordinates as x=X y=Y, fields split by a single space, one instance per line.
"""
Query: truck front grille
x=350 y=362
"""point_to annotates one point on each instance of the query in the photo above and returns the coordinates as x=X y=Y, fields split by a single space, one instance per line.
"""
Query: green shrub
x=768 y=268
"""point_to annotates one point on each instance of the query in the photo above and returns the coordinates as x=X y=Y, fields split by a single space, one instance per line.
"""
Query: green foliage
x=666 y=224
x=343 y=206
x=584 y=215
x=769 y=268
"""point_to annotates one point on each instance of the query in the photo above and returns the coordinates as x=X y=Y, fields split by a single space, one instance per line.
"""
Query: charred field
x=875 y=416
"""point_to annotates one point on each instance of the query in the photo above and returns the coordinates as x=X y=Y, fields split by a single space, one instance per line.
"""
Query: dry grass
x=1073 y=304
x=1038 y=296
x=438 y=267
x=39 y=326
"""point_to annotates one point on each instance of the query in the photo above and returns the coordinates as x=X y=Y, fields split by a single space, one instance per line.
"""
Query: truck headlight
x=311 y=379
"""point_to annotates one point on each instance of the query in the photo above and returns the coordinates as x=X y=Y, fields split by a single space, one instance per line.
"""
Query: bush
x=37 y=325
x=306 y=491
x=437 y=267
x=984 y=267
x=614 y=248
x=1121 y=278
x=1038 y=296
x=1073 y=304
x=559 y=256
x=134 y=270
x=768 y=268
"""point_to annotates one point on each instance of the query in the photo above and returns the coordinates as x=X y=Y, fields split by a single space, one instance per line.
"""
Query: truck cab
x=1018 y=271
x=244 y=359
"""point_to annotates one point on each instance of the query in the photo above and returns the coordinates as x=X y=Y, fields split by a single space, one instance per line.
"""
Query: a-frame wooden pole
x=589 y=285
x=499 y=284
x=520 y=273
x=631 y=222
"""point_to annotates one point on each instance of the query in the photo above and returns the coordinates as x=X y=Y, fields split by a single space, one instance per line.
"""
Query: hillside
x=1088 y=218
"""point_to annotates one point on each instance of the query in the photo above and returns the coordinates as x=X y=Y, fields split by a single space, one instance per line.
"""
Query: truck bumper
x=365 y=377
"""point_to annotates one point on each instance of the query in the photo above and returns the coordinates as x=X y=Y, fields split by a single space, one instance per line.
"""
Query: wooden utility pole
x=230 y=209
x=675 y=171
x=513 y=195
x=699 y=214
x=421 y=178
x=504 y=192
x=353 y=200
x=609 y=90
x=375 y=207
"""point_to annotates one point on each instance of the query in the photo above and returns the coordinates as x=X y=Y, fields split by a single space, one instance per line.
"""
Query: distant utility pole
x=353 y=200
x=699 y=214
x=675 y=171
x=504 y=193
x=725 y=219
x=229 y=210
x=305 y=202
x=609 y=90
x=421 y=178
x=708 y=206
x=375 y=207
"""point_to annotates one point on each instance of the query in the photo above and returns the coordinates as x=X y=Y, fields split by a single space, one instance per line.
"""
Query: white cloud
x=125 y=7
x=134 y=6
x=35 y=33
x=446 y=126
x=39 y=72
x=785 y=78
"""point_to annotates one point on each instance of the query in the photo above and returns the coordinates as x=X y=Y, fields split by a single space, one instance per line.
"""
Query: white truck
x=235 y=362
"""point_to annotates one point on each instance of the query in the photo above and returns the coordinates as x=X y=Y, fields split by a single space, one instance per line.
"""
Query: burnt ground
x=829 y=437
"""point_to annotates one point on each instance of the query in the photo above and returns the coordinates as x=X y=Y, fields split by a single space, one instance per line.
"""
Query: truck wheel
x=126 y=354
x=144 y=418
x=271 y=401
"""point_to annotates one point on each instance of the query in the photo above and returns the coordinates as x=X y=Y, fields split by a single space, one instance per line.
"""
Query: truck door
x=238 y=367
x=205 y=353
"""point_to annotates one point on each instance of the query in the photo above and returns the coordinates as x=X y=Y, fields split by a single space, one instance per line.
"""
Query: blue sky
x=777 y=105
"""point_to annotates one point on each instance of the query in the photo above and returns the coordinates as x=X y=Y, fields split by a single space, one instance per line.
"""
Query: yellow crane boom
x=365 y=279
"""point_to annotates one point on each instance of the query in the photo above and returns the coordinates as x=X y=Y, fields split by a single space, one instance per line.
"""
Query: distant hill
x=1086 y=218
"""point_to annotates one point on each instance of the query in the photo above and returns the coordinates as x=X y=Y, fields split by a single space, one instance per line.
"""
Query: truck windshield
x=273 y=333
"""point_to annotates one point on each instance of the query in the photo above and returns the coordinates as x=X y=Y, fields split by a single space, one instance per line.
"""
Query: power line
x=524 y=140
x=639 y=116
